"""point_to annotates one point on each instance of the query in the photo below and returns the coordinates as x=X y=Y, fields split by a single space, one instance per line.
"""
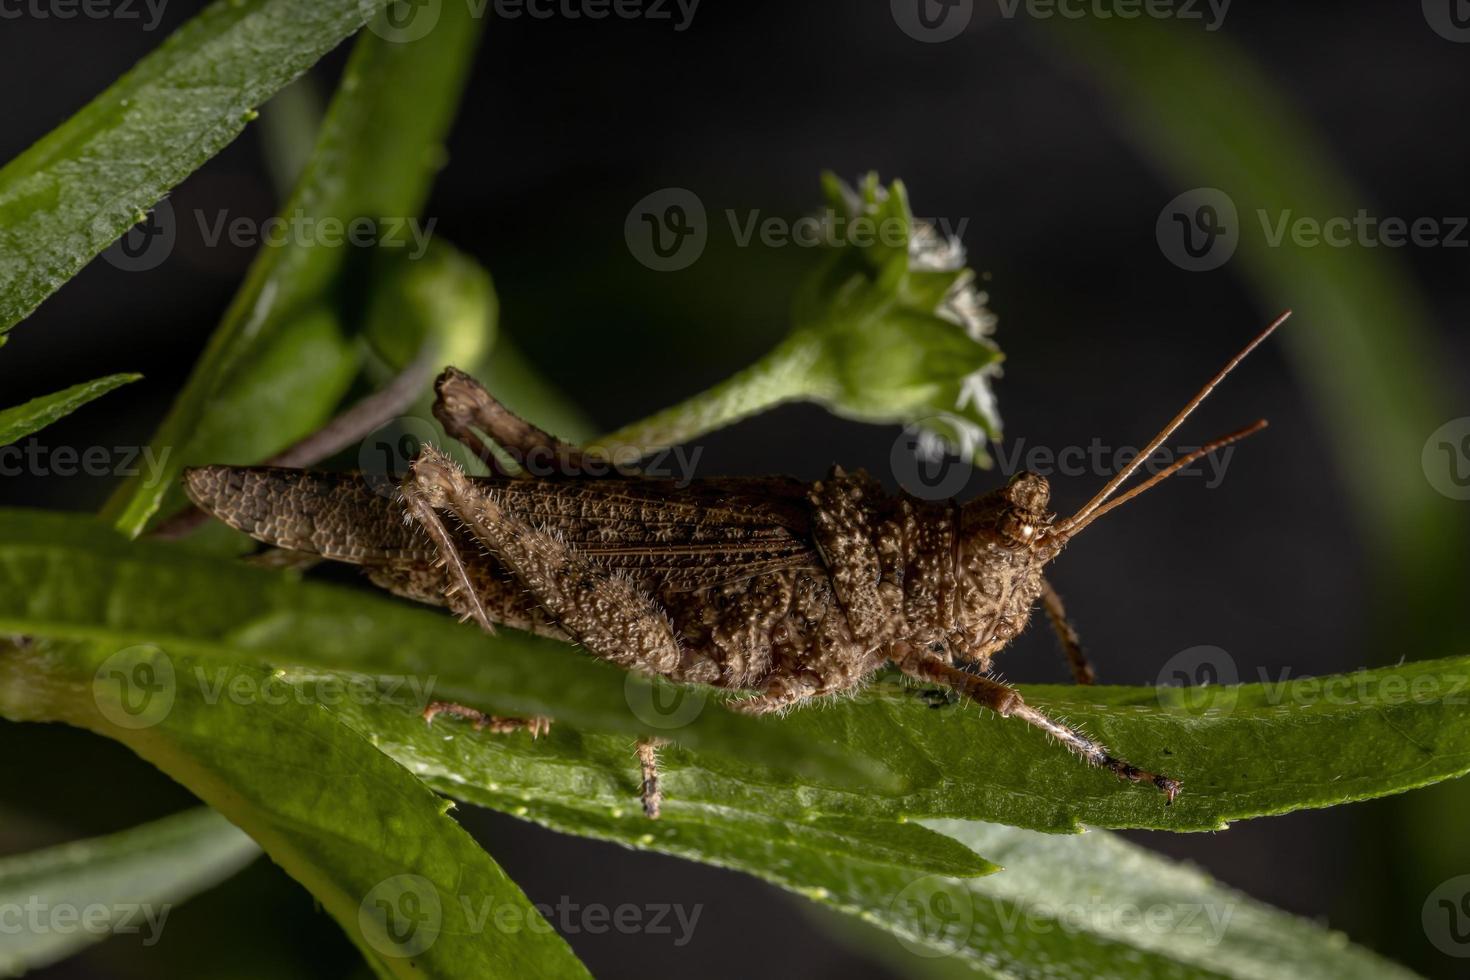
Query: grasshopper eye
x=1019 y=529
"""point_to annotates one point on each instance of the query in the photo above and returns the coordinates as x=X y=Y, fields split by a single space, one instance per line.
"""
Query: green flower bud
x=901 y=332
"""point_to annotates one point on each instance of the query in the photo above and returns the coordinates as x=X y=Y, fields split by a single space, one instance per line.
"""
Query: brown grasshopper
x=767 y=585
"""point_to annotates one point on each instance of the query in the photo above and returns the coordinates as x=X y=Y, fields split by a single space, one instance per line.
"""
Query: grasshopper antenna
x=1099 y=505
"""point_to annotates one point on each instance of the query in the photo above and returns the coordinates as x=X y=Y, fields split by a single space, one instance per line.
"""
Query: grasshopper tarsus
x=536 y=725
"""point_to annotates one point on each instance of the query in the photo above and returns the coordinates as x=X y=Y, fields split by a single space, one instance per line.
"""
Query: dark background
x=567 y=124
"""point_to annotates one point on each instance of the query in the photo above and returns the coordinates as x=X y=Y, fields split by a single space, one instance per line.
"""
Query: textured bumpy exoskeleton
x=767 y=585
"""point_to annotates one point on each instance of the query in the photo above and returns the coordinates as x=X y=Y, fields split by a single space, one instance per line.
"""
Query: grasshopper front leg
x=1071 y=643
x=1006 y=701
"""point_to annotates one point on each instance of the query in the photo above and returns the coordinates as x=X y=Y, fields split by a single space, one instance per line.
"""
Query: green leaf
x=371 y=842
x=93 y=177
x=1243 y=752
x=19 y=422
x=587 y=784
x=72 y=578
x=76 y=894
x=1065 y=906
x=285 y=352
x=1095 y=906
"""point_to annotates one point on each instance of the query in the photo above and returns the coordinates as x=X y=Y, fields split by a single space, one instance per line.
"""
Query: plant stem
x=785 y=373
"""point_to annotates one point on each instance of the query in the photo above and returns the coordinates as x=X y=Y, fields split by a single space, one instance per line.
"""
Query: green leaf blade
x=88 y=181
x=136 y=875
x=379 y=147
x=23 y=420
x=375 y=846
x=1096 y=905
x=1074 y=906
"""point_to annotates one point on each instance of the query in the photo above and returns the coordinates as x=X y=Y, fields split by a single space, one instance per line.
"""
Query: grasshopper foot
x=481 y=722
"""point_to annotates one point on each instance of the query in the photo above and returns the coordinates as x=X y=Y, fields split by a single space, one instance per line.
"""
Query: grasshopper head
x=1024 y=517
x=1003 y=546
x=1013 y=521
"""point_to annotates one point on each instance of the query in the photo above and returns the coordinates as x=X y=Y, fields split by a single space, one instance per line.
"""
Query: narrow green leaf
x=1064 y=906
x=65 y=898
x=587 y=784
x=1339 y=739
x=1097 y=906
x=283 y=356
x=371 y=842
x=289 y=124
x=22 y=420
x=71 y=577
x=93 y=177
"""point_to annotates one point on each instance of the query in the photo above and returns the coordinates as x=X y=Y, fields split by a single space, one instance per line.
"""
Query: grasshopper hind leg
x=465 y=409
x=609 y=615
x=460 y=585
